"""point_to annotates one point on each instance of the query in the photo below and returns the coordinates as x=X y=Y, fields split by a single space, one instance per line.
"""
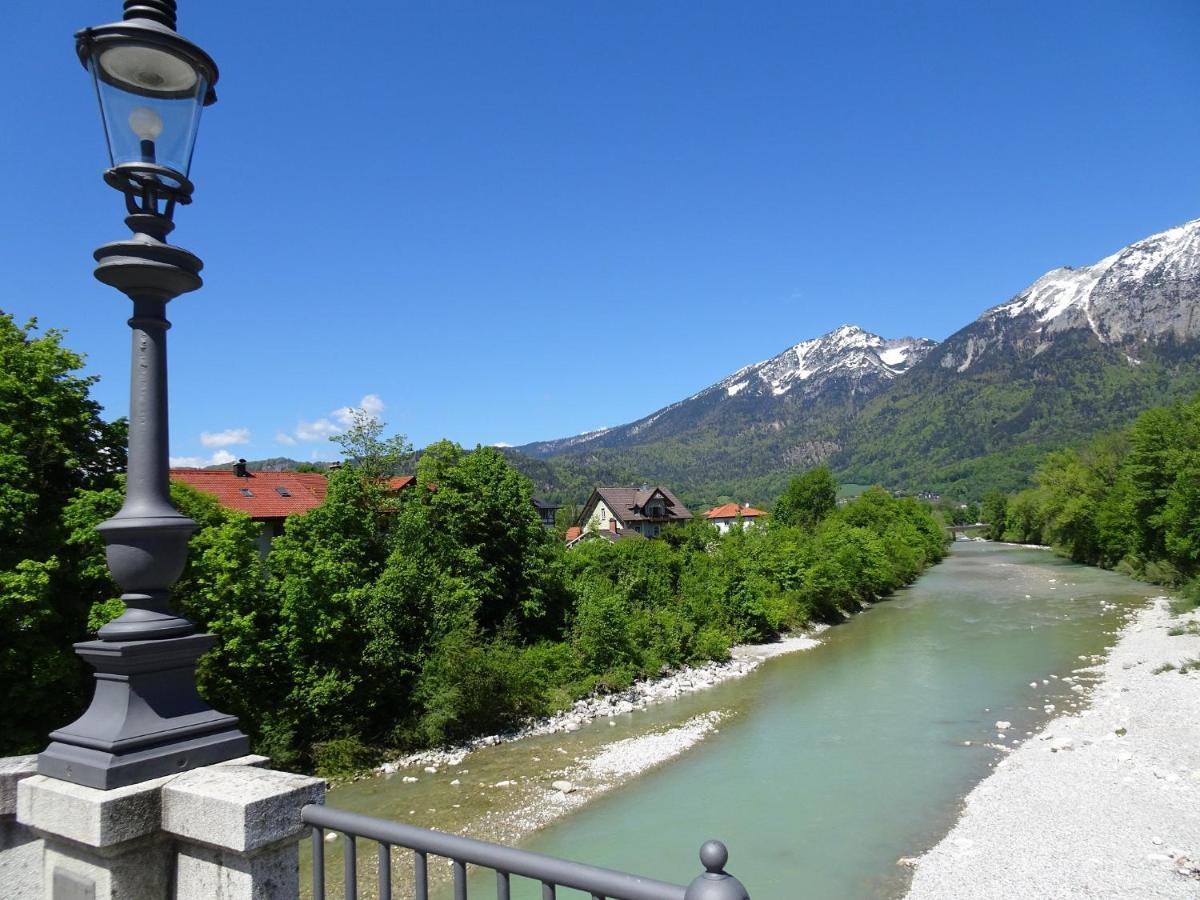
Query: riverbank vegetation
x=1129 y=501
x=384 y=622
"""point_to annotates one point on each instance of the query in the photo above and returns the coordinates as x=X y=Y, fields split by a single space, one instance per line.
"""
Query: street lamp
x=146 y=718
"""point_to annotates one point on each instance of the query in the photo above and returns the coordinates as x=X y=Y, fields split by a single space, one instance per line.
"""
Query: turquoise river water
x=834 y=762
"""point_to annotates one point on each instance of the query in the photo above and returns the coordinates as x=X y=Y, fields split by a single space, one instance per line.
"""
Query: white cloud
x=336 y=422
x=501 y=444
x=282 y=437
x=226 y=438
x=371 y=404
x=315 y=431
x=220 y=458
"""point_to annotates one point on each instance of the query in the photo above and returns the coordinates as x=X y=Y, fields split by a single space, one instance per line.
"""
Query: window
x=246 y=492
x=283 y=492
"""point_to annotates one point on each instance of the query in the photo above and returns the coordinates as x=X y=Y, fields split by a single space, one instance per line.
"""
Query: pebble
x=564 y=787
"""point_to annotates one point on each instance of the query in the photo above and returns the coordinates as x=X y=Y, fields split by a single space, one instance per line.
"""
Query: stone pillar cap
x=240 y=808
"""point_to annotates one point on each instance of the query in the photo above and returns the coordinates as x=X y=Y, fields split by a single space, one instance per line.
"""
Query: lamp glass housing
x=150 y=102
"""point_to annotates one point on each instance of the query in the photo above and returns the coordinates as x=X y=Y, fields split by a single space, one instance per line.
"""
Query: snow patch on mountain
x=1099 y=295
x=847 y=350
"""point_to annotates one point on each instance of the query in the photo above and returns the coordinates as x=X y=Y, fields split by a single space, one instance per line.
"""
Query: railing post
x=715 y=883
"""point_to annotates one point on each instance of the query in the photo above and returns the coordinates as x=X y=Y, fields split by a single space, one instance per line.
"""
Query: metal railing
x=507 y=862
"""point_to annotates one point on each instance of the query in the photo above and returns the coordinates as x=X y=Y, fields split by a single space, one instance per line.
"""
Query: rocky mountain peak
x=847 y=351
x=1142 y=291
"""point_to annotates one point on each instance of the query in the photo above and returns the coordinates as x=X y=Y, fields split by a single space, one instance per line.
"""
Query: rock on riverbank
x=1105 y=803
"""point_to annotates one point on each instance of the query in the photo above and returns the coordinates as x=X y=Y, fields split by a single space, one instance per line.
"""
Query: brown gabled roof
x=261 y=495
x=732 y=510
x=628 y=504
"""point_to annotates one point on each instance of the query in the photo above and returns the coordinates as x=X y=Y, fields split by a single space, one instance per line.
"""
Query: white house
x=727 y=516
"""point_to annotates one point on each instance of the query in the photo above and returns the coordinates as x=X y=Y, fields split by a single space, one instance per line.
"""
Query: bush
x=343 y=756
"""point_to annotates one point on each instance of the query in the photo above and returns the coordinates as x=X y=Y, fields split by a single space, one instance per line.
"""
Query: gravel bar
x=1101 y=804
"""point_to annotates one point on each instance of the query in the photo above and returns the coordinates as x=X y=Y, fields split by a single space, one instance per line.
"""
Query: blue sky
x=507 y=221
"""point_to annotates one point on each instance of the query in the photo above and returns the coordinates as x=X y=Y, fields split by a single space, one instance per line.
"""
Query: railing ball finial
x=715 y=883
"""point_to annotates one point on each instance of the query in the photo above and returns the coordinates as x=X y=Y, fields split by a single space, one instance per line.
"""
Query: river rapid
x=823 y=768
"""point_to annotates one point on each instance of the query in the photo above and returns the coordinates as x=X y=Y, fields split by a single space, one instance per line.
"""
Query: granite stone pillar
x=228 y=831
x=238 y=830
x=20 y=848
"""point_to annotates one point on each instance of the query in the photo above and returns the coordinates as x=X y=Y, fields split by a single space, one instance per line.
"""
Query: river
x=829 y=764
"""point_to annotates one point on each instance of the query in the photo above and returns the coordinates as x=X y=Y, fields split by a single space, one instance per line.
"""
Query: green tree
x=53 y=443
x=809 y=498
x=994 y=510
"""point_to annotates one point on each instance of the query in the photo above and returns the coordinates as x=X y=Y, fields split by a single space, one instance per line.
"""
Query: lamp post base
x=146 y=719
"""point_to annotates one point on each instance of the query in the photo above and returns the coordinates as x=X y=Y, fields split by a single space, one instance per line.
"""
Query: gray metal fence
x=506 y=862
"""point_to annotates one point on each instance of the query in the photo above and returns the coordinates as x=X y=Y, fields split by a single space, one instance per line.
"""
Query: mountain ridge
x=1080 y=349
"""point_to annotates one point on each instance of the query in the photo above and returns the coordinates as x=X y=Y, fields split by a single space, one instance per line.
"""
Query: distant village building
x=546 y=511
x=727 y=516
x=644 y=511
x=576 y=535
x=266 y=497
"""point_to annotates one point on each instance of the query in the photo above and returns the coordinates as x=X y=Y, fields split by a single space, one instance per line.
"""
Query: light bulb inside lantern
x=146 y=123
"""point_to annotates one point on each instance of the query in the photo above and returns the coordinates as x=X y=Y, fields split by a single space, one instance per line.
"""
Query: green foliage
x=808 y=499
x=53 y=443
x=994 y=511
x=342 y=756
x=1128 y=500
x=395 y=621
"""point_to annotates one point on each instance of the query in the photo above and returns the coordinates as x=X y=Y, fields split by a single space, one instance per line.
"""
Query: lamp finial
x=160 y=11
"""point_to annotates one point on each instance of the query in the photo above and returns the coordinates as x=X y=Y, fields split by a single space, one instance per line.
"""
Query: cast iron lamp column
x=146 y=718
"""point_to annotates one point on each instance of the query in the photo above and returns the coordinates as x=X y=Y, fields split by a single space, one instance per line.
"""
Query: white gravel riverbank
x=1101 y=804
x=744 y=659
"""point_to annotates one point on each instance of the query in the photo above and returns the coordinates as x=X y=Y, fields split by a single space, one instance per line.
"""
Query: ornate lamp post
x=146 y=719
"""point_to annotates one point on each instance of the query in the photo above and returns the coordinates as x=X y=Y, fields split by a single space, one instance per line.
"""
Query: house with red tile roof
x=727 y=516
x=266 y=497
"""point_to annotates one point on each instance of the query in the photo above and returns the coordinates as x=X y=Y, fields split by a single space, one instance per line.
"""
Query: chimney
x=239 y=469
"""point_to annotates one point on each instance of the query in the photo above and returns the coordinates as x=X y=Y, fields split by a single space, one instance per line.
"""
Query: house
x=546 y=511
x=266 y=497
x=612 y=534
x=645 y=510
x=726 y=517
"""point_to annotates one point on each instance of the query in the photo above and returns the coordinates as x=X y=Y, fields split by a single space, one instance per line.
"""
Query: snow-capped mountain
x=845 y=352
x=1146 y=292
x=1081 y=350
x=842 y=368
